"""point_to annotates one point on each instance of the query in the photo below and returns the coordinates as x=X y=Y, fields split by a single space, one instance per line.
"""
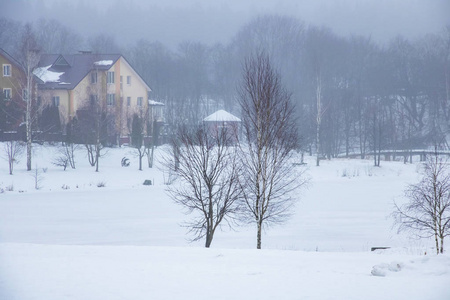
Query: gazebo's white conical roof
x=221 y=116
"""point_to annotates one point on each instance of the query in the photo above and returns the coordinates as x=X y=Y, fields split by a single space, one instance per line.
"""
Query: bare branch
x=427 y=213
x=206 y=162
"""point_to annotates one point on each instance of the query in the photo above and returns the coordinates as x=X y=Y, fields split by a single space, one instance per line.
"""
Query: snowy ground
x=74 y=240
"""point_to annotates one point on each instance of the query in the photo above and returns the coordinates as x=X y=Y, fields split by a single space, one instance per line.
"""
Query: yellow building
x=13 y=88
x=72 y=82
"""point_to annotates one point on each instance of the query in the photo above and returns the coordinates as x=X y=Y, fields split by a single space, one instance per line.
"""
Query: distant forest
x=363 y=96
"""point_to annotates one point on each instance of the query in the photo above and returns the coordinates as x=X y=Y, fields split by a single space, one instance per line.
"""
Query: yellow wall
x=16 y=82
x=135 y=89
x=46 y=99
x=71 y=101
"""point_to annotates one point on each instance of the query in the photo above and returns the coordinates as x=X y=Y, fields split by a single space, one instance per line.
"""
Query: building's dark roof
x=10 y=58
x=66 y=71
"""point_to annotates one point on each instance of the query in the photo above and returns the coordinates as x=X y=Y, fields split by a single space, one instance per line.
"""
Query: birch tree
x=270 y=138
x=29 y=59
x=427 y=213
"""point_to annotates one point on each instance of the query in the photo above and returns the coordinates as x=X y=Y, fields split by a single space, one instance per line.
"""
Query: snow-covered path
x=139 y=272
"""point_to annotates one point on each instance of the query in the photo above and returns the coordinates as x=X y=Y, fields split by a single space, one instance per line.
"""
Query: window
x=110 y=99
x=7 y=93
x=128 y=79
x=121 y=82
x=139 y=101
x=93 y=99
x=55 y=101
x=94 y=77
x=6 y=70
x=25 y=95
x=128 y=101
x=110 y=78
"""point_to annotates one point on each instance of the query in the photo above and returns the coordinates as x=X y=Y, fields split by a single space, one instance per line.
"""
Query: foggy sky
x=212 y=21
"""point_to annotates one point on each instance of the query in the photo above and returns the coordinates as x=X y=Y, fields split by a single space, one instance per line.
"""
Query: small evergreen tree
x=137 y=137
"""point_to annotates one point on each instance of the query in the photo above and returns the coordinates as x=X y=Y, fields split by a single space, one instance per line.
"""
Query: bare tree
x=209 y=172
x=270 y=138
x=61 y=161
x=103 y=43
x=320 y=60
x=428 y=211
x=13 y=149
x=38 y=178
x=29 y=59
x=56 y=37
x=10 y=31
x=92 y=126
x=154 y=128
x=66 y=155
x=69 y=146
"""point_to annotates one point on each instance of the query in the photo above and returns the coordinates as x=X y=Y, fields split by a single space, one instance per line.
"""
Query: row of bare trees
x=228 y=179
x=352 y=94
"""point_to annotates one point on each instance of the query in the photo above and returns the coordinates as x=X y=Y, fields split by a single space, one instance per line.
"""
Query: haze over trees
x=352 y=95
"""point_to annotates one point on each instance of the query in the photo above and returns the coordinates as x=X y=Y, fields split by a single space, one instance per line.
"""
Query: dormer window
x=61 y=62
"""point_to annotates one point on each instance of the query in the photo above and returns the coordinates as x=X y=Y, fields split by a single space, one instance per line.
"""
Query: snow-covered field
x=74 y=240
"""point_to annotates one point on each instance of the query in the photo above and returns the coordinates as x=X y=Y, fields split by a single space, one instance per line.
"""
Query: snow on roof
x=47 y=76
x=103 y=63
x=221 y=116
x=155 y=103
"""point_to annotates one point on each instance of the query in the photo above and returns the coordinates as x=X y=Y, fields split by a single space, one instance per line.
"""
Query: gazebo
x=222 y=119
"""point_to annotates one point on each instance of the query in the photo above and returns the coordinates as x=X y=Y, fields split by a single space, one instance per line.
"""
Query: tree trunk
x=97 y=155
x=150 y=158
x=11 y=165
x=437 y=241
x=140 y=158
x=72 y=156
x=319 y=117
x=208 y=240
x=441 y=229
x=28 y=126
x=149 y=153
x=258 y=236
x=347 y=144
